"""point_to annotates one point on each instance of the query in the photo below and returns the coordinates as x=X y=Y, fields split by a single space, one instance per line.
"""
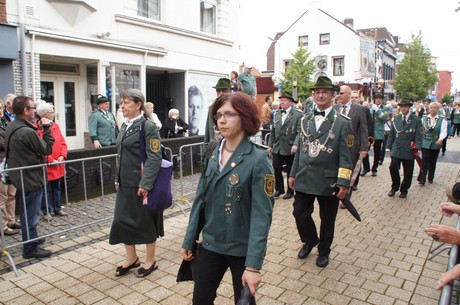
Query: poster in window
x=339 y=67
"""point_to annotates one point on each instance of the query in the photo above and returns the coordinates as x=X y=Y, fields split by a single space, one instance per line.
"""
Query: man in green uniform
x=406 y=128
x=223 y=86
x=102 y=125
x=380 y=114
x=321 y=170
x=281 y=142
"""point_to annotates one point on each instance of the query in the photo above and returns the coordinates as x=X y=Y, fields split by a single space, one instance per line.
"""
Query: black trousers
x=384 y=149
x=444 y=144
x=408 y=166
x=429 y=159
x=278 y=162
x=456 y=129
x=377 y=152
x=303 y=208
x=366 y=164
x=210 y=270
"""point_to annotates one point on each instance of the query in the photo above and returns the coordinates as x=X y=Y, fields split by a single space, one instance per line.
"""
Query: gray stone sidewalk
x=381 y=260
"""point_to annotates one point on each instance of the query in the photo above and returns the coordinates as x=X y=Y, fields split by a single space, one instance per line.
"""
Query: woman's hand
x=449 y=208
x=187 y=255
x=141 y=192
x=448 y=277
x=444 y=234
x=252 y=279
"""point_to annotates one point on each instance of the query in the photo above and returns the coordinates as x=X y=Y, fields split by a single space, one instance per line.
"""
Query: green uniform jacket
x=400 y=138
x=431 y=136
x=238 y=205
x=129 y=153
x=315 y=175
x=283 y=136
x=103 y=128
x=455 y=116
x=380 y=118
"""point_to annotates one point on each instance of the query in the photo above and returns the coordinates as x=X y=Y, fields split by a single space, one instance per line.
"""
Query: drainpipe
x=32 y=55
x=22 y=41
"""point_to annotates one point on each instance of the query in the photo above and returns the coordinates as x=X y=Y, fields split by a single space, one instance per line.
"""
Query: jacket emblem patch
x=269 y=185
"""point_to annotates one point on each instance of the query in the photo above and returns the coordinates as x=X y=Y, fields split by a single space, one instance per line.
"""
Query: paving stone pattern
x=381 y=260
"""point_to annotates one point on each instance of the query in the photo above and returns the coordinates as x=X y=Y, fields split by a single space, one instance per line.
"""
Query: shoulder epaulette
x=343 y=115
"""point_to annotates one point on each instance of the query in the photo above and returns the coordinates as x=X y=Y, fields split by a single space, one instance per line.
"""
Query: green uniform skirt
x=133 y=223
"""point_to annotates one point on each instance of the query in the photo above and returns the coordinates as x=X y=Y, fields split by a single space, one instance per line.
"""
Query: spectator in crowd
x=133 y=223
x=7 y=191
x=102 y=124
x=55 y=172
x=335 y=162
x=265 y=112
x=235 y=84
x=25 y=147
x=445 y=113
x=195 y=106
x=9 y=114
x=150 y=115
x=275 y=106
x=281 y=143
x=248 y=81
x=434 y=132
x=447 y=234
x=405 y=130
x=173 y=126
x=308 y=105
x=238 y=183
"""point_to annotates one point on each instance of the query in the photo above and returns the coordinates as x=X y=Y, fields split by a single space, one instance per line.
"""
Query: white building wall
x=343 y=42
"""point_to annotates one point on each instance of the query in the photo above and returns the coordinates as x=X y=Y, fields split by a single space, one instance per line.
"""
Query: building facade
x=75 y=50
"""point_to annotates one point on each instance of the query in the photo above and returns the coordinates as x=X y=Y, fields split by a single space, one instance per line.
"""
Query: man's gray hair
x=172 y=112
x=133 y=94
x=44 y=108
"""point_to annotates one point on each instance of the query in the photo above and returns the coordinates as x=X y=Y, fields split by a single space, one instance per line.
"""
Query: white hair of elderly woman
x=173 y=112
x=44 y=108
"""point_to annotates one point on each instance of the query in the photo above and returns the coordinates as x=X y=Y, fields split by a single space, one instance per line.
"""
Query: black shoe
x=380 y=162
x=142 y=272
x=288 y=196
x=374 y=174
x=422 y=183
x=363 y=173
x=278 y=194
x=39 y=253
x=392 y=192
x=403 y=195
x=306 y=250
x=355 y=188
x=443 y=154
x=322 y=261
x=123 y=270
x=15 y=226
x=430 y=181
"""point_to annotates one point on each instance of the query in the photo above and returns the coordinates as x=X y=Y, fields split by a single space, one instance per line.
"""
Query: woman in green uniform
x=132 y=223
x=235 y=194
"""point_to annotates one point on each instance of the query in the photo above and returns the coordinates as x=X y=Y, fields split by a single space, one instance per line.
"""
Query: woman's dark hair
x=234 y=72
x=245 y=106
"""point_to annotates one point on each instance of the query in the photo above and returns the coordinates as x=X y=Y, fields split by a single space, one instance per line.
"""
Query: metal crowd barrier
x=189 y=163
x=446 y=294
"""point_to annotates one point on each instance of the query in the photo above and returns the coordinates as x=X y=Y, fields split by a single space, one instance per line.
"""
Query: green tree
x=301 y=66
x=416 y=73
x=446 y=99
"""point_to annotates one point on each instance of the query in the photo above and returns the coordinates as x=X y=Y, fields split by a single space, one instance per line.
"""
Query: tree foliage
x=416 y=73
x=446 y=99
x=302 y=66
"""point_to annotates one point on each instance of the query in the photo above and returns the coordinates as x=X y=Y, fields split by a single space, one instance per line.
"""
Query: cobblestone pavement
x=381 y=260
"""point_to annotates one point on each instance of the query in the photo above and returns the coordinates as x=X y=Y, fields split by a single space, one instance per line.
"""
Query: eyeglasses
x=342 y=93
x=225 y=115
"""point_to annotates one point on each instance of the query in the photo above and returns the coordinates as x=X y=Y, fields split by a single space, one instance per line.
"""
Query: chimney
x=349 y=22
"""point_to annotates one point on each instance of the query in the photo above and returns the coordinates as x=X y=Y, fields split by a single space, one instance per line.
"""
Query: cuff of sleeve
x=253 y=262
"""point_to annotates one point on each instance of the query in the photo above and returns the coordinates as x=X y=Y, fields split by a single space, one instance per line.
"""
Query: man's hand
x=294 y=149
x=252 y=279
x=97 y=144
x=448 y=277
x=291 y=182
x=449 y=208
x=343 y=191
x=187 y=255
x=363 y=153
x=444 y=234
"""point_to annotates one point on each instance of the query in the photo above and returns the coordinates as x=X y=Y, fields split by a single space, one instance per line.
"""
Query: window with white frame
x=208 y=17
x=339 y=65
x=303 y=41
x=324 y=38
x=149 y=9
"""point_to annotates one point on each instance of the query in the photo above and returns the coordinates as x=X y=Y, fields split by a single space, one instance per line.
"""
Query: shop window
x=324 y=38
x=338 y=65
x=303 y=41
x=149 y=9
x=208 y=17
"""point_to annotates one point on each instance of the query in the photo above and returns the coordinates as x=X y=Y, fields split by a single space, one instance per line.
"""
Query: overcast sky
x=437 y=21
